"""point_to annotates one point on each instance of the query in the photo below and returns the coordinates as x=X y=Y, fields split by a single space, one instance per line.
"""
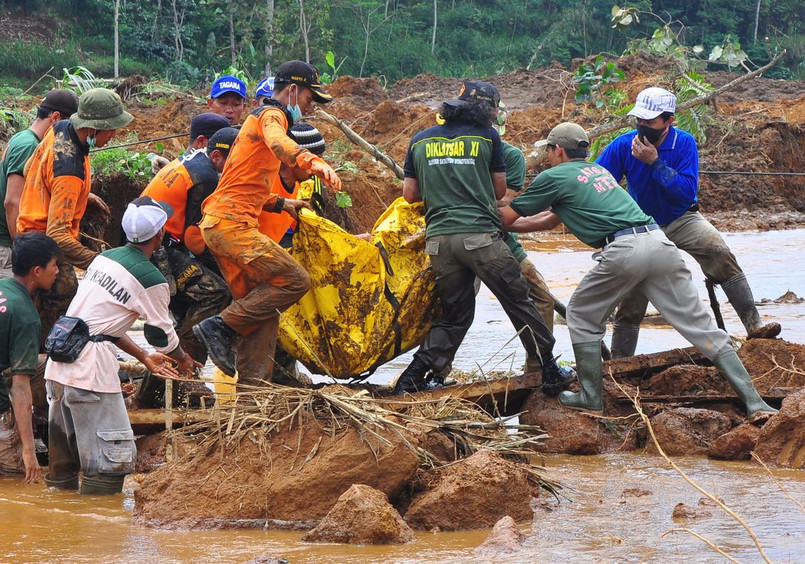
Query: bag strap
x=101 y=338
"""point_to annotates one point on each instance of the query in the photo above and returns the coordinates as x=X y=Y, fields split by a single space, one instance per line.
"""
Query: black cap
x=206 y=124
x=476 y=92
x=303 y=74
x=62 y=101
x=222 y=140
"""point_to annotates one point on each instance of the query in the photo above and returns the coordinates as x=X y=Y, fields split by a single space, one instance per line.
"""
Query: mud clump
x=362 y=515
x=782 y=439
x=688 y=431
x=473 y=494
x=736 y=444
x=505 y=538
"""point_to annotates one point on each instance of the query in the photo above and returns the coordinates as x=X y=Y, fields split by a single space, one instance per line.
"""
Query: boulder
x=362 y=515
x=782 y=439
x=736 y=444
x=685 y=430
x=473 y=493
x=505 y=538
x=688 y=513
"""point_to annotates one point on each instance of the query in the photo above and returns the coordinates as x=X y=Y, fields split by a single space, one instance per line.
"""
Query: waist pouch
x=68 y=337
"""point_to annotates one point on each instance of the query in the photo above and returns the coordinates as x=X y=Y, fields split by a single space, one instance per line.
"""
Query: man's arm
x=21 y=401
x=543 y=221
x=411 y=190
x=64 y=195
x=499 y=183
x=14 y=186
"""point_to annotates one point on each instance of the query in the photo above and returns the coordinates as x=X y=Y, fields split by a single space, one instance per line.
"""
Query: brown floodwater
x=616 y=508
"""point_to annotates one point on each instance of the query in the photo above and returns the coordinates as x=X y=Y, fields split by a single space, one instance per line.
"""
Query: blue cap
x=228 y=83
x=265 y=87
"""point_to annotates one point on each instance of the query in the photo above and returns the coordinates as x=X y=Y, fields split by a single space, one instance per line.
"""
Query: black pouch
x=67 y=338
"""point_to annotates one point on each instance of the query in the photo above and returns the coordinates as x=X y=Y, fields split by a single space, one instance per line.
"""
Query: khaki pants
x=5 y=262
x=10 y=446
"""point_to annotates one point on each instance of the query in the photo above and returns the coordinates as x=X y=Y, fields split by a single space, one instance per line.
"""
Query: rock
x=687 y=380
x=773 y=363
x=782 y=438
x=362 y=515
x=266 y=558
x=736 y=444
x=686 y=431
x=505 y=538
x=473 y=494
x=686 y=512
x=569 y=431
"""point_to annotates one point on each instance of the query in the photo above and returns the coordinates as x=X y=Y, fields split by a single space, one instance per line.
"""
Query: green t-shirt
x=19 y=334
x=515 y=179
x=453 y=164
x=19 y=149
x=586 y=198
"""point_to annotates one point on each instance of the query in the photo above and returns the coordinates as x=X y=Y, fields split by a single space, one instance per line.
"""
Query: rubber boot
x=735 y=372
x=101 y=485
x=555 y=378
x=70 y=483
x=589 y=367
x=740 y=296
x=624 y=339
x=412 y=379
x=217 y=336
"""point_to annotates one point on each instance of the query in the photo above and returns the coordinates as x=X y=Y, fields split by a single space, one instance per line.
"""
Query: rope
x=143 y=142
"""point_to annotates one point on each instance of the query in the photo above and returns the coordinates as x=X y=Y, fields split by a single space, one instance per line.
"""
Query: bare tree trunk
x=757 y=21
x=117 y=38
x=435 y=21
x=178 y=21
x=232 y=35
x=270 y=34
x=304 y=28
x=156 y=20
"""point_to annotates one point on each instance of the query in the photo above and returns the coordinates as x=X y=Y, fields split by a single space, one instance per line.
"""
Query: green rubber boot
x=589 y=368
x=101 y=485
x=624 y=340
x=734 y=371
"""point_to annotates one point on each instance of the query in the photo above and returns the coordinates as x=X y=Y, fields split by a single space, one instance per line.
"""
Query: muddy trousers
x=695 y=235
x=89 y=432
x=52 y=304
x=457 y=259
x=270 y=281
x=538 y=292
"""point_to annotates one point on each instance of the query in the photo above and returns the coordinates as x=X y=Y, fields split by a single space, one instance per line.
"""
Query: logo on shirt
x=600 y=178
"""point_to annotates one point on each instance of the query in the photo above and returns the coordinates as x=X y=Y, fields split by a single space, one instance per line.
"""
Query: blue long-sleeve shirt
x=667 y=188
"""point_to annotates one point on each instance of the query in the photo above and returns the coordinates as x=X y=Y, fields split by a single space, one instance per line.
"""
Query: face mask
x=295 y=111
x=649 y=134
x=91 y=140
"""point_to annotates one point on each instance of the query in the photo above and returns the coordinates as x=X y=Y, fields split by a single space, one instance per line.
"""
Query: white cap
x=653 y=101
x=144 y=217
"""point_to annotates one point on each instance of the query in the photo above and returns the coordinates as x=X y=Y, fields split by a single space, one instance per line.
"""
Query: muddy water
x=619 y=508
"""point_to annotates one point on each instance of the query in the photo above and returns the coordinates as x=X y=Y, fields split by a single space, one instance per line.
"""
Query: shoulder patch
x=68 y=155
x=133 y=260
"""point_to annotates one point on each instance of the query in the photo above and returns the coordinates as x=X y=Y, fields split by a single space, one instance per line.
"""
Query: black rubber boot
x=101 y=485
x=217 y=337
x=412 y=379
x=70 y=483
x=740 y=296
x=555 y=378
x=624 y=339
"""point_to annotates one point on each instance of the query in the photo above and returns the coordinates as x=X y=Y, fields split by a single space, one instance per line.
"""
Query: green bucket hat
x=100 y=109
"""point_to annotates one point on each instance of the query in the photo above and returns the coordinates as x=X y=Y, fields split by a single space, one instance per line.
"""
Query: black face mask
x=649 y=134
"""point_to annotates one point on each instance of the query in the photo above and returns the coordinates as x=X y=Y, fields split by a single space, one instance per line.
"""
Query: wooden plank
x=644 y=365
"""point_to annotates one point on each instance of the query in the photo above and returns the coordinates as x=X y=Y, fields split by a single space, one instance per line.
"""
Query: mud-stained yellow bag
x=369 y=302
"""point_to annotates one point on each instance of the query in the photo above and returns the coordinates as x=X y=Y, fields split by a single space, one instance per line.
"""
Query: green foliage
x=330 y=76
x=80 y=79
x=27 y=61
x=342 y=199
x=108 y=162
x=594 y=83
x=695 y=119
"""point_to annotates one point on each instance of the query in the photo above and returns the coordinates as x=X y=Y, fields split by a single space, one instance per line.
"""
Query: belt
x=630 y=231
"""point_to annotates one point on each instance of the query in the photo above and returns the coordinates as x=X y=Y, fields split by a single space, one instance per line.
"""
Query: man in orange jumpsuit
x=57 y=187
x=274 y=280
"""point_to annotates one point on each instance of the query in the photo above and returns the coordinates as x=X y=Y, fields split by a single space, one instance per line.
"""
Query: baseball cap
x=222 y=140
x=476 y=92
x=303 y=74
x=100 y=108
x=144 y=217
x=265 y=87
x=308 y=137
x=653 y=101
x=567 y=135
x=206 y=124
x=60 y=100
x=228 y=83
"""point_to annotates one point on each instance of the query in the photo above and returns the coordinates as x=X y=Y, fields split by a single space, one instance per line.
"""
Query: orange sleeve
x=65 y=193
x=276 y=138
x=193 y=240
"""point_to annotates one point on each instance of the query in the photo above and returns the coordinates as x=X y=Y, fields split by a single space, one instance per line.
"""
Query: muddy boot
x=740 y=296
x=555 y=378
x=412 y=379
x=734 y=371
x=101 y=485
x=590 y=371
x=217 y=337
x=70 y=483
x=624 y=340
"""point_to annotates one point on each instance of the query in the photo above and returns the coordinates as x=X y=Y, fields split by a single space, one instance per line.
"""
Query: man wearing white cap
x=661 y=166
x=89 y=428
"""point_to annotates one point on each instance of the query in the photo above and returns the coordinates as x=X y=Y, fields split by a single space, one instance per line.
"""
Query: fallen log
x=644 y=365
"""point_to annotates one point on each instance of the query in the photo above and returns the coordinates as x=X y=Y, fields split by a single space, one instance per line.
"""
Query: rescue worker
x=661 y=166
x=34 y=260
x=54 y=107
x=273 y=279
x=635 y=255
x=265 y=88
x=228 y=98
x=457 y=170
x=89 y=427
x=57 y=188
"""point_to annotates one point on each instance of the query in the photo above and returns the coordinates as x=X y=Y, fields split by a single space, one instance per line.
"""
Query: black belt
x=630 y=231
x=101 y=338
